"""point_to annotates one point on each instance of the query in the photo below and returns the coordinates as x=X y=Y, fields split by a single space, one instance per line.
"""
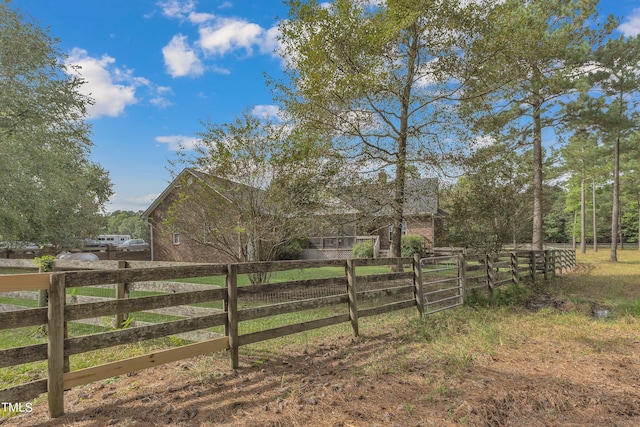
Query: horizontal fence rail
x=129 y=302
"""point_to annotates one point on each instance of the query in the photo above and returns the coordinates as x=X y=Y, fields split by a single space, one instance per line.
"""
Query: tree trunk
x=583 y=216
x=401 y=161
x=595 y=224
x=615 y=214
x=573 y=234
x=537 y=239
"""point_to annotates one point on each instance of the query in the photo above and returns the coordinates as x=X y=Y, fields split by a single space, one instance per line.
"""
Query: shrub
x=45 y=262
x=507 y=296
x=412 y=245
x=363 y=250
x=289 y=251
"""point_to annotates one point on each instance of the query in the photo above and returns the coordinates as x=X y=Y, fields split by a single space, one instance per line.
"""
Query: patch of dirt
x=545 y=300
x=357 y=382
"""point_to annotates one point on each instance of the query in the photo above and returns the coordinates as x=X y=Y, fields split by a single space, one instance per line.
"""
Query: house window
x=175 y=237
x=403 y=233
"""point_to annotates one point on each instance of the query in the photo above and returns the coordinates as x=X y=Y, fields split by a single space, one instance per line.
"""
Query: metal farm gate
x=442 y=283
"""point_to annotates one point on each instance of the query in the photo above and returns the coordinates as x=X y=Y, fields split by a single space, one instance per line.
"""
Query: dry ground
x=383 y=378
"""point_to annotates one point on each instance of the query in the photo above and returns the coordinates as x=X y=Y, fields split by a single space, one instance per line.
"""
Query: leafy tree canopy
x=127 y=222
x=50 y=192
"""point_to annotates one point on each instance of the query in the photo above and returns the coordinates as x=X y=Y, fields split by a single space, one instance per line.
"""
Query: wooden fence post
x=43 y=299
x=418 y=292
x=515 y=274
x=533 y=259
x=462 y=275
x=352 y=291
x=546 y=264
x=232 y=313
x=122 y=292
x=490 y=276
x=55 y=349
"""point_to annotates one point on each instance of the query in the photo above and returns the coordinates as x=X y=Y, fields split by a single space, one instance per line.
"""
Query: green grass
x=289 y=275
x=600 y=281
x=453 y=339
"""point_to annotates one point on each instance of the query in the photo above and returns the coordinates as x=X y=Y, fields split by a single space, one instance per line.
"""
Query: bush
x=363 y=250
x=507 y=296
x=289 y=251
x=412 y=245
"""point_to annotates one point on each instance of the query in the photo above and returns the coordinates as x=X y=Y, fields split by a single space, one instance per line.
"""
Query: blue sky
x=156 y=68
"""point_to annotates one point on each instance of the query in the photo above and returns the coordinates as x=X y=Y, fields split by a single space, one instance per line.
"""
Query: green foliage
x=45 y=262
x=289 y=250
x=127 y=222
x=51 y=191
x=376 y=83
x=250 y=186
x=412 y=245
x=489 y=206
x=549 y=43
x=511 y=295
x=128 y=322
x=363 y=250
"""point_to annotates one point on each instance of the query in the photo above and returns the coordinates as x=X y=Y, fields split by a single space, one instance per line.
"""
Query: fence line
x=432 y=285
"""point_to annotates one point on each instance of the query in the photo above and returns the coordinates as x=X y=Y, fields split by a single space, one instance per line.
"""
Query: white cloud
x=179 y=142
x=199 y=18
x=180 y=59
x=267 y=112
x=230 y=34
x=177 y=8
x=112 y=88
x=184 y=11
x=269 y=42
x=218 y=36
x=160 y=100
x=483 y=141
x=631 y=26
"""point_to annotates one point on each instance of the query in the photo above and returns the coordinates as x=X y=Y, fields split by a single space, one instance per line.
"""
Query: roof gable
x=219 y=185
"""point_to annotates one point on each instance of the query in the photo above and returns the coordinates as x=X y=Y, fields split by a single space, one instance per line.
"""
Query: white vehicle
x=113 y=239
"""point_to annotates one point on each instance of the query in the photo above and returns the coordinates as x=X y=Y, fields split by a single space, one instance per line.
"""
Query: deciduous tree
x=257 y=192
x=377 y=79
x=50 y=191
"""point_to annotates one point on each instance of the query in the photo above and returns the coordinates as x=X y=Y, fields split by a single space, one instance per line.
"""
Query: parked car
x=134 y=245
x=93 y=245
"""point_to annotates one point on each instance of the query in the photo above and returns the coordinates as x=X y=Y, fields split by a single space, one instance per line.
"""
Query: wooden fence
x=352 y=291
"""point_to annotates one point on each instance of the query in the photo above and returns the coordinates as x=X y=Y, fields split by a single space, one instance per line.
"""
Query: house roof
x=219 y=185
x=421 y=198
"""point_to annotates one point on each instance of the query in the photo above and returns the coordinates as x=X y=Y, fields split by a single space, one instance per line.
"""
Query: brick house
x=180 y=221
x=367 y=212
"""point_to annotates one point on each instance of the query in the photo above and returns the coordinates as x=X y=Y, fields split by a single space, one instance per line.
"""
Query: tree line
x=514 y=103
x=519 y=105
